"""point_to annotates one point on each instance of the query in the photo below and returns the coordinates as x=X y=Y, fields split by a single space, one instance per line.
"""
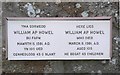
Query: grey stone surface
x=0 y=37
x=67 y=9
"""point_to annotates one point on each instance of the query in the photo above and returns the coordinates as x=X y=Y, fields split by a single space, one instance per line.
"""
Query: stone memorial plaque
x=59 y=38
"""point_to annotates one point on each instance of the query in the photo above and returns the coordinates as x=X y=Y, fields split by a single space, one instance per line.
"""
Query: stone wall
x=63 y=9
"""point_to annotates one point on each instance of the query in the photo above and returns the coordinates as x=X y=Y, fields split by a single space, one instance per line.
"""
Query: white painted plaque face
x=58 y=39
